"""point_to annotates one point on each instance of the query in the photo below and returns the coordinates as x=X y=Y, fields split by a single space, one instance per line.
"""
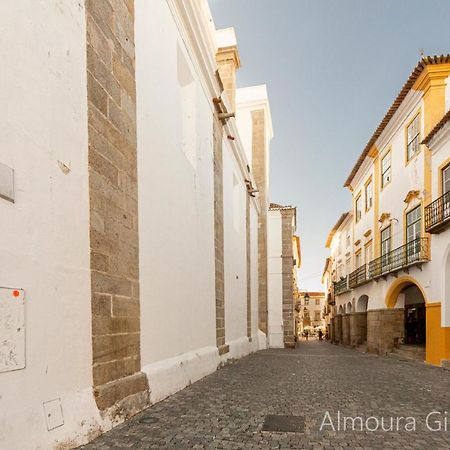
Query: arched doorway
x=358 y=322
x=408 y=334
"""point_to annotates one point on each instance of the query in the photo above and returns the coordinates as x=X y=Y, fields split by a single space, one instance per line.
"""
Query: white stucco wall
x=45 y=234
x=254 y=273
x=234 y=203
x=440 y=243
x=275 y=282
x=176 y=203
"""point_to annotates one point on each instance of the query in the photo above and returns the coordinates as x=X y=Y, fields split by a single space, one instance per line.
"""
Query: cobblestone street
x=227 y=409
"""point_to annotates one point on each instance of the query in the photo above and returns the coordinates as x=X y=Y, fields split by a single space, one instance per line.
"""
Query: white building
x=132 y=221
x=387 y=262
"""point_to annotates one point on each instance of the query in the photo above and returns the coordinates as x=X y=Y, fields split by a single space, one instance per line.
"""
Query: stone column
x=332 y=332
x=346 y=329
x=259 y=168
x=338 y=329
x=385 y=329
x=227 y=59
x=358 y=328
x=111 y=92
x=287 y=255
x=228 y=62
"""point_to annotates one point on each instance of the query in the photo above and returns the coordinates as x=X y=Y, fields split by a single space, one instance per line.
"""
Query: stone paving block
x=226 y=410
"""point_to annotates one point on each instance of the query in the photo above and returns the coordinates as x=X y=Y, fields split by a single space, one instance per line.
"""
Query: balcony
x=437 y=214
x=341 y=286
x=410 y=254
x=358 y=277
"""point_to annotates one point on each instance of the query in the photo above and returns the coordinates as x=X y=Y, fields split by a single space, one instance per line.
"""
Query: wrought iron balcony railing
x=358 y=276
x=341 y=286
x=437 y=214
x=413 y=252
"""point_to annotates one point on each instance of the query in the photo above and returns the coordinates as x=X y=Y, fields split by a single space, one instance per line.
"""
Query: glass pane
x=446 y=180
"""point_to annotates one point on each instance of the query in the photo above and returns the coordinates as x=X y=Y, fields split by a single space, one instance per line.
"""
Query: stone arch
x=340 y=310
x=398 y=285
x=407 y=307
x=361 y=304
x=348 y=308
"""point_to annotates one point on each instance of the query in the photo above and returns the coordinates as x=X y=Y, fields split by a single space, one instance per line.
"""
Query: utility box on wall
x=6 y=183
x=12 y=329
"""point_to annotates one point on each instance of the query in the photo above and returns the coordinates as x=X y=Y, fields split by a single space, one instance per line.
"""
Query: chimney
x=228 y=61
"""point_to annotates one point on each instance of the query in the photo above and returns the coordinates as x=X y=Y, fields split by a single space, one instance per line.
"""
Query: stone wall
x=358 y=328
x=338 y=329
x=346 y=329
x=111 y=95
x=385 y=328
x=249 y=266
x=287 y=267
x=259 y=169
x=219 y=238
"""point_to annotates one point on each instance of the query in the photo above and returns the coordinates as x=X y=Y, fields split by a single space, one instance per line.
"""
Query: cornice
x=193 y=20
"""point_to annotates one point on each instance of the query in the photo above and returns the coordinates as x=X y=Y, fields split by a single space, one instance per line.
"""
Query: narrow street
x=228 y=408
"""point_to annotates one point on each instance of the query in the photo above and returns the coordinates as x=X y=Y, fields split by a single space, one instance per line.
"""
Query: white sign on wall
x=12 y=329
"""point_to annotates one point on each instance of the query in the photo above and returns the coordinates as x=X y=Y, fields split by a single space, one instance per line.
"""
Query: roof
x=335 y=228
x=425 y=61
x=437 y=128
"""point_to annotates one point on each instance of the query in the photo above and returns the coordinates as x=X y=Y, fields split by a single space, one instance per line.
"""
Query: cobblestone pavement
x=227 y=409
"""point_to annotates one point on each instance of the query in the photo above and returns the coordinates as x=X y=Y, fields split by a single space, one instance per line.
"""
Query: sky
x=332 y=68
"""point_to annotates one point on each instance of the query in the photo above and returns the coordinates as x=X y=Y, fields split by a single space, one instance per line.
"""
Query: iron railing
x=358 y=276
x=341 y=286
x=411 y=253
x=437 y=214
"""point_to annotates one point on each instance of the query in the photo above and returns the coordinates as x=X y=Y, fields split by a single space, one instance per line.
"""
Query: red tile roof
x=425 y=61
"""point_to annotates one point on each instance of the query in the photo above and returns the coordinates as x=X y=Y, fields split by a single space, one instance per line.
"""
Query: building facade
x=283 y=261
x=388 y=270
x=134 y=179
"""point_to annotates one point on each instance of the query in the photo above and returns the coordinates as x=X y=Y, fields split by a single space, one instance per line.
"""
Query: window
x=348 y=240
x=369 y=195
x=386 y=170
x=348 y=266
x=316 y=315
x=368 y=253
x=413 y=138
x=413 y=232
x=358 y=260
x=385 y=241
x=385 y=247
x=413 y=224
x=317 y=301
x=446 y=180
x=358 y=212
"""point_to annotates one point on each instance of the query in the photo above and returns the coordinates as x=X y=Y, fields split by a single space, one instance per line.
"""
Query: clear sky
x=333 y=67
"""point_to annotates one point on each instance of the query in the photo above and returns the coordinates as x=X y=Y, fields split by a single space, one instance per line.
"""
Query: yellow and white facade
x=389 y=269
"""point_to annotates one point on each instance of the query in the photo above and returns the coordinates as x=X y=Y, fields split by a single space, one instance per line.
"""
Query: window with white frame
x=413 y=137
x=358 y=260
x=413 y=224
x=385 y=241
x=369 y=195
x=358 y=211
x=446 y=180
x=386 y=170
x=348 y=240
x=348 y=266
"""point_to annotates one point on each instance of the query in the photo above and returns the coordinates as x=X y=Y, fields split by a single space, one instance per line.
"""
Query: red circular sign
x=16 y=293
